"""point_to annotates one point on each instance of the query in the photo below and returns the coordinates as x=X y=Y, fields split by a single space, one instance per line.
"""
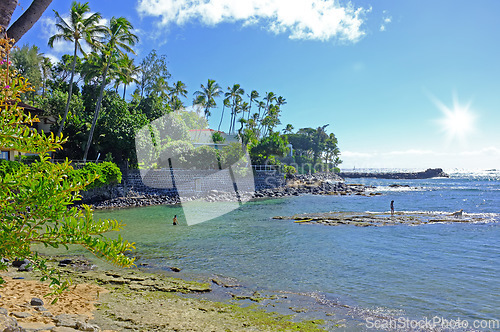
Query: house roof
x=30 y=108
x=201 y=130
x=26 y=107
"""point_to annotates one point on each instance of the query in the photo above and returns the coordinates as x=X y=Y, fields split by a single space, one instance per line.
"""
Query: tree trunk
x=26 y=20
x=70 y=92
x=97 y=109
x=221 y=117
x=7 y=8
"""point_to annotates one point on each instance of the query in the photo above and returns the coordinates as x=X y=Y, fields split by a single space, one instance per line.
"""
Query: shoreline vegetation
x=136 y=300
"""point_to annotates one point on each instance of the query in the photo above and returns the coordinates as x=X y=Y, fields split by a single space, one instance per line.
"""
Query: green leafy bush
x=289 y=169
x=35 y=200
x=105 y=173
x=9 y=167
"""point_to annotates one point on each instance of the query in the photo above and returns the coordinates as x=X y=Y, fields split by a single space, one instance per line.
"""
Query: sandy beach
x=128 y=300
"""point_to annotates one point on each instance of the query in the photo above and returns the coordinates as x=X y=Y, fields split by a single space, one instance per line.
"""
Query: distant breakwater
x=427 y=174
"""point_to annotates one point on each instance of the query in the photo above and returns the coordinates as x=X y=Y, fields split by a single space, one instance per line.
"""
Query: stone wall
x=199 y=181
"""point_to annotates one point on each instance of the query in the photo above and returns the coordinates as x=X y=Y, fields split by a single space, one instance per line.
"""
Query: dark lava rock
x=19 y=263
x=36 y=302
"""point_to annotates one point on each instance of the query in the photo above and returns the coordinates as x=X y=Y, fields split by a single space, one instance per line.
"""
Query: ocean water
x=450 y=271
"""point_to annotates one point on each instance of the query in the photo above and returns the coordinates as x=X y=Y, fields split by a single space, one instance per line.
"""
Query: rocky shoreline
x=316 y=184
x=377 y=219
x=133 y=300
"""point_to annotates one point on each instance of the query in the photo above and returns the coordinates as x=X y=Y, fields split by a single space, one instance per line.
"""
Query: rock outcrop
x=427 y=174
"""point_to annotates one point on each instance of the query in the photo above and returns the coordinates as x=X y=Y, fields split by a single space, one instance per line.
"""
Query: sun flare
x=458 y=122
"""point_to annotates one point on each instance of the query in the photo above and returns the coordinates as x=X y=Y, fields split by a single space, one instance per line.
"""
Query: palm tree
x=289 y=129
x=176 y=104
x=46 y=67
x=126 y=73
x=269 y=98
x=206 y=96
x=234 y=94
x=117 y=39
x=242 y=122
x=280 y=101
x=261 y=106
x=253 y=95
x=225 y=104
x=179 y=89
x=77 y=28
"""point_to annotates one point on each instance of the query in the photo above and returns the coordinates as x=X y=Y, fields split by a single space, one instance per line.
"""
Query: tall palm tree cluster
x=253 y=125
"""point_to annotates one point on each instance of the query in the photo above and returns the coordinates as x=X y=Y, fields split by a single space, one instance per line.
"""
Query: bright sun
x=458 y=122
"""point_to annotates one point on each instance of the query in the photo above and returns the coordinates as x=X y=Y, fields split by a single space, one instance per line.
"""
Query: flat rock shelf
x=364 y=219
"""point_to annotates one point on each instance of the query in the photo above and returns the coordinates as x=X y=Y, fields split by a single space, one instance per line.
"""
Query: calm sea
x=451 y=271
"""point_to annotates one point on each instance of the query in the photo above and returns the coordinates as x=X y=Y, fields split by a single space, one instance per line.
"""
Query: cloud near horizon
x=321 y=20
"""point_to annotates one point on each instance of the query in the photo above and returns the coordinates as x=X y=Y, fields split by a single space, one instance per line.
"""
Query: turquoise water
x=446 y=270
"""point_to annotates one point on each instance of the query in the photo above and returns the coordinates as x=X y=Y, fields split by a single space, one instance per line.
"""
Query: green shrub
x=107 y=174
x=9 y=167
x=289 y=169
x=218 y=138
x=36 y=201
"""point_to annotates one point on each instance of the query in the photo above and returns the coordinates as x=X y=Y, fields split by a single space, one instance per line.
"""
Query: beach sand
x=131 y=300
x=78 y=303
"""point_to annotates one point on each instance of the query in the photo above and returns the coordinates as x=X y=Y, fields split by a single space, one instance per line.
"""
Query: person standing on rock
x=175 y=220
x=392 y=208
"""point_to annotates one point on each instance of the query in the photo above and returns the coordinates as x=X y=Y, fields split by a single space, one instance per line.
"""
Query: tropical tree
x=177 y=90
x=288 y=129
x=62 y=70
x=320 y=136
x=176 y=104
x=27 y=60
x=25 y=21
x=78 y=27
x=153 y=68
x=234 y=94
x=126 y=73
x=253 y=96
x=225 y=104
x=331 y=151
x=261 y=105
x=269 y=98
x=280 y=101
x=117 y=40
x=46 y=67
x=206 y=96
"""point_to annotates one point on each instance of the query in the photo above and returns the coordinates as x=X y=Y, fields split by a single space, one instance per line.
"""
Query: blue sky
x=411 y=84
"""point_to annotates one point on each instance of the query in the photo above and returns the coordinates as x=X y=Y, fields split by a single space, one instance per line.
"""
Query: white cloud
x=386 y=20
x=53 y=59
x=302 y=19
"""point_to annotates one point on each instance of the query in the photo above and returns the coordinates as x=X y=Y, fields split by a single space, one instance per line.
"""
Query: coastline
x=316 y=184
x=137 y=300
